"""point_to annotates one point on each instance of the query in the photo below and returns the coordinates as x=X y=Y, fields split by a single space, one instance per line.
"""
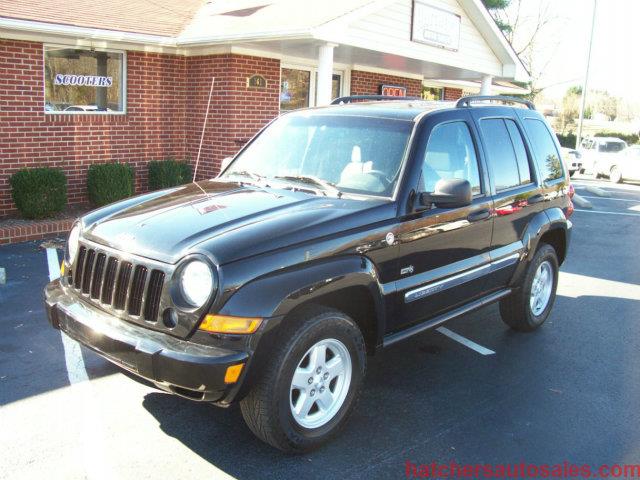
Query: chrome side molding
x=460 y=278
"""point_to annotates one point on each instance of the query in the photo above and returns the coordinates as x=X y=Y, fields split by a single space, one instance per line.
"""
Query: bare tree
x=525 y=30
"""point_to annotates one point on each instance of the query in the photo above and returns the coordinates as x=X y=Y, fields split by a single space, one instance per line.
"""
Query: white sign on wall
x=434 y=26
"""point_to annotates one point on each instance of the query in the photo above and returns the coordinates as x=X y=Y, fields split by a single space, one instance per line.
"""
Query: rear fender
x=541 y=223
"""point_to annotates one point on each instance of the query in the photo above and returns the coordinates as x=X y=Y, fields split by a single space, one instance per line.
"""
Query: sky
x=563 y=45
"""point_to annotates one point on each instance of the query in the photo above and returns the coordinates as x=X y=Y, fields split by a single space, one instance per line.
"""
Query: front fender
x=279 y=293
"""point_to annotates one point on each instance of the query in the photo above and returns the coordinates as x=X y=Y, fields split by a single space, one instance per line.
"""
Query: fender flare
x=277 y=294
x=543 y=222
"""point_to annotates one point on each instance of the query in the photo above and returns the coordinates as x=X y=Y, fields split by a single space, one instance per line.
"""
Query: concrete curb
x=582 y=202
x=597 y=191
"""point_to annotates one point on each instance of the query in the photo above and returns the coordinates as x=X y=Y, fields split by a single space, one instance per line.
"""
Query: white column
x=325 y=73
x=485 y=87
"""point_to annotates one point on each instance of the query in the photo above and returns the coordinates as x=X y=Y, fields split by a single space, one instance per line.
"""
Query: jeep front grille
x=128 y=287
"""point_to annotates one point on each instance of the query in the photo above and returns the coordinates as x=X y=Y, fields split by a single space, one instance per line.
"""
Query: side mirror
x=452 y=193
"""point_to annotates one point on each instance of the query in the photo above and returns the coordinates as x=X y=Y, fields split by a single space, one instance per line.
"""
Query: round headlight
x=196 y=282
x=72 y=242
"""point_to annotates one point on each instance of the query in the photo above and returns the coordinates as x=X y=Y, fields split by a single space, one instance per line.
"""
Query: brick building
x=128 y=80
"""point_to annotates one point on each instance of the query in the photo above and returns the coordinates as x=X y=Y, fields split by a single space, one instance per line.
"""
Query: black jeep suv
x=335 y=232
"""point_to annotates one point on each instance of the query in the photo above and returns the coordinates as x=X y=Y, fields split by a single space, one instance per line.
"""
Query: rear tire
x=311 y=384
x=529 y=305
x=615 y=175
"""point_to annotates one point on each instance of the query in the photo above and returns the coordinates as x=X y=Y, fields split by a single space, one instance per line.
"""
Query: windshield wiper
x=246 y=173
x=309 y=180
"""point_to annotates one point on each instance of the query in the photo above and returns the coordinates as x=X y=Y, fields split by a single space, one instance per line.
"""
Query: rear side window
x=611 y=147
x=450 y=154
x=545 y=149
x=506 y=153
x=522 y=158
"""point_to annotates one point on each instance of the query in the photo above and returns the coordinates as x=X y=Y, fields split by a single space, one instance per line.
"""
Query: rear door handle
x=535 y=199
x=479 y=215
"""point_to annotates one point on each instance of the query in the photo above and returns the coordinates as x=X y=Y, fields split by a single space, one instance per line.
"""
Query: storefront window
x=83 y=80
x=294 y=89
x=433 y=93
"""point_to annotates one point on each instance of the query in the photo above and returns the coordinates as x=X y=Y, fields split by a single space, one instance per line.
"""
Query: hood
x=236 y=221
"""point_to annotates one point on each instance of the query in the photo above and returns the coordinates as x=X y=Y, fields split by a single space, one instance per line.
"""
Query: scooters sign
x=83 y=80
x=393 y=90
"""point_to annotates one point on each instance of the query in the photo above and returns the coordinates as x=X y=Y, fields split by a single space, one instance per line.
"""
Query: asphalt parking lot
x=568 y=392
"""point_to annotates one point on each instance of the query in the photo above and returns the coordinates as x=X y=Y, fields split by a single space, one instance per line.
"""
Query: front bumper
x=187 y=369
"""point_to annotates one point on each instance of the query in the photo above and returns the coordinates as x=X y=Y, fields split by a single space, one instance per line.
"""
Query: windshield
x=612 y=147
x=361 y=155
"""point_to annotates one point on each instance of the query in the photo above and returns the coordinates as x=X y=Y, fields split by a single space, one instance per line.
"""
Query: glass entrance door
x=296 y=86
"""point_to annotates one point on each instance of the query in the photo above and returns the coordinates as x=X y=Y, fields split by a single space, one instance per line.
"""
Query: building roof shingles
x=154 y=17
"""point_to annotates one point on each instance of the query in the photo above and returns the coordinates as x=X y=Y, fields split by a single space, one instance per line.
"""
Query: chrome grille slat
x=98 y=275
x=88 y=269
x=152 y=298
x=122 y=286
x=109 y=280
x=145 y=293
x=79 y=267
x=136 y=290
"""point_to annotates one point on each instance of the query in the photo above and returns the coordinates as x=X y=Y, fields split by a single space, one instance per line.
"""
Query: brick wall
x=152 y=128
x=451 y=94
x=236 y=112
x=166 y=103
x=367 y=83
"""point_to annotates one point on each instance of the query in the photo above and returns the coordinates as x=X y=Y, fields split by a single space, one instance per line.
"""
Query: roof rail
x=466 y=101
x=352 y=98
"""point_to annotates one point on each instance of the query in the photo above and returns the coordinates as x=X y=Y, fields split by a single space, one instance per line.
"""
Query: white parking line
x=93 y=432
x=608 y=213
x=465 y=341
x=614 y=199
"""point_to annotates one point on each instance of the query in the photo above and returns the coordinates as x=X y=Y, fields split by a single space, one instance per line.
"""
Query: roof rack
x=466 y=101
x=352 y=98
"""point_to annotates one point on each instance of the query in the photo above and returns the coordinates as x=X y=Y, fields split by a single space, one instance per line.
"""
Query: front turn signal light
x=227 y=324
x=233 y=373
x=62 y=269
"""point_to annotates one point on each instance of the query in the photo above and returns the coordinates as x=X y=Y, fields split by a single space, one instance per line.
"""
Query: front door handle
x=535 y=199
x=479 y=215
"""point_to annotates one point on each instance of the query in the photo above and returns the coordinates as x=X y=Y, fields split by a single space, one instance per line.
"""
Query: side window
x=545 y=149
x=524 y=167
x=450 y=154
x=501 y=155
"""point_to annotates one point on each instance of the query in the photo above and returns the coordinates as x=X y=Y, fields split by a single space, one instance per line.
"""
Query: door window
x=501 y=154
x=450 y=153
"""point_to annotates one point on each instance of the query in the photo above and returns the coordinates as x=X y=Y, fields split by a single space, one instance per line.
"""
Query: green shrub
x=39 y=192
x=168 y=173
x=109 y=182
x=630 y=138
x=568 y=140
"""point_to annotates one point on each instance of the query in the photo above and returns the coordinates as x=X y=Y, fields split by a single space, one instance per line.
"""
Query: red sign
x=393 y=90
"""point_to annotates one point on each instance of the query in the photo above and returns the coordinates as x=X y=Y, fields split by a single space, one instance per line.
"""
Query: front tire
x=311 y=384
x=615 y=175
x=529 y=305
